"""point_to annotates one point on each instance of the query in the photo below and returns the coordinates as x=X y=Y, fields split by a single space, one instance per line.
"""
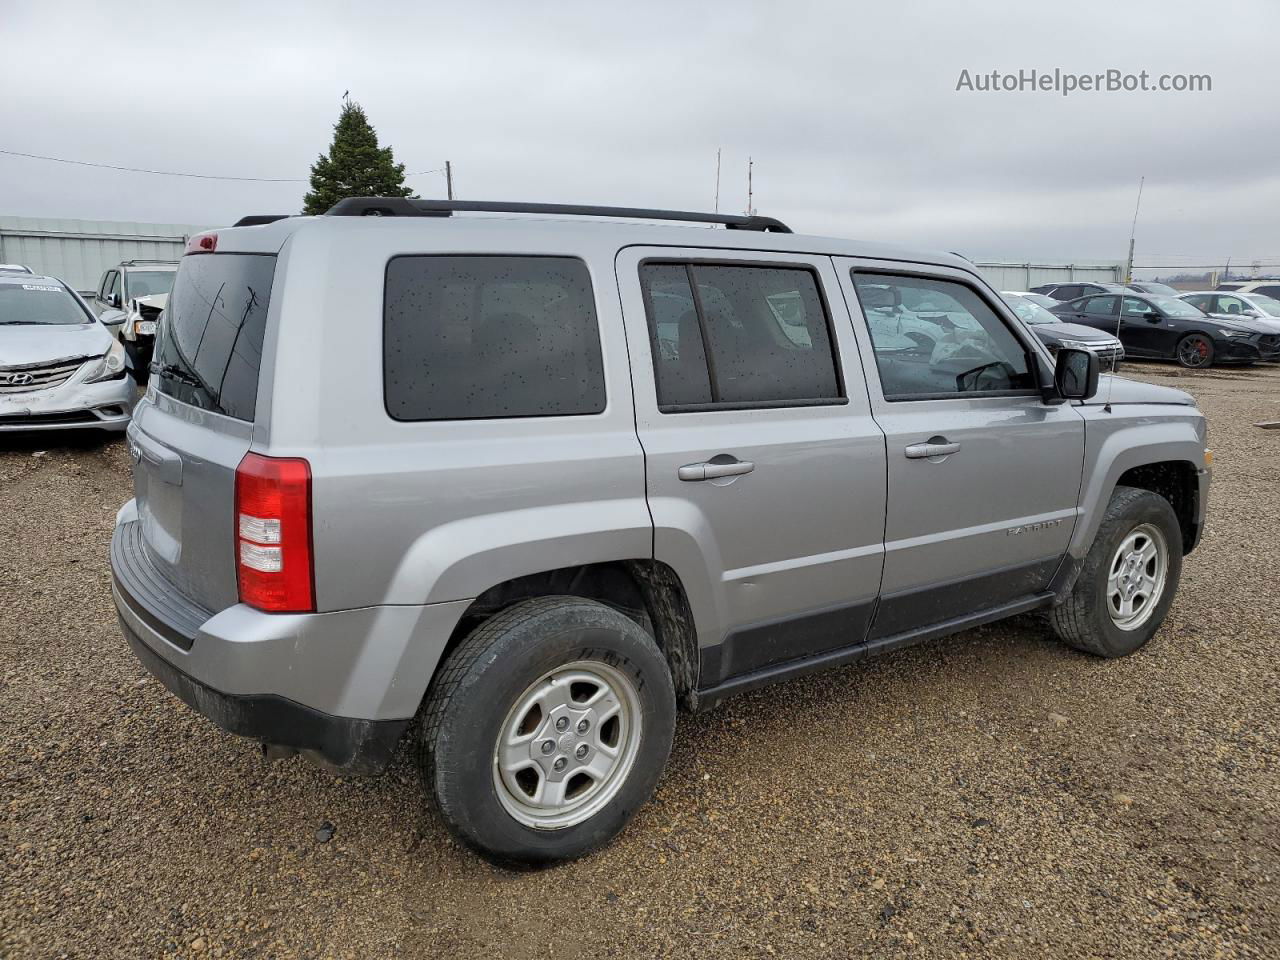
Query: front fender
x=1132 y=436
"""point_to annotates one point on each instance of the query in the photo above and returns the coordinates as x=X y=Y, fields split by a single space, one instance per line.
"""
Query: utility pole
x=750 y=212
x=717 y=179
x=448 y=177
x=1128 y=270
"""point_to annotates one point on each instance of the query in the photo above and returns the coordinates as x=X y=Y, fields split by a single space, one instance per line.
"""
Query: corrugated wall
x=78 y=251
x=1023 y=276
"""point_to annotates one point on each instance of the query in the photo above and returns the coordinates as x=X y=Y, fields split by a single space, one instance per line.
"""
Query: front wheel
x=546 y=730
x=1128 y=579
x=1195 y=351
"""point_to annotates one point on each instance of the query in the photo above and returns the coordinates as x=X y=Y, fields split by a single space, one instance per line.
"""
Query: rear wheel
x=547 y=729
x=1128 y=579
x=1195 y=350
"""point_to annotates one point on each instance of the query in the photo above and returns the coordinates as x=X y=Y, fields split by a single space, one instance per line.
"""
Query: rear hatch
x=189 y=438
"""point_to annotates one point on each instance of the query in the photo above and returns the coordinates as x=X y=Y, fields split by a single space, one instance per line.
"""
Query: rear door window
x=1100 y=306
x=738 y=334
x=209 y=346
x=488 y=337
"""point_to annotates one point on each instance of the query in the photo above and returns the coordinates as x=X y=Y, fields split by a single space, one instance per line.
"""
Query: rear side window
x=486 y=337
x=209 y=346
x=1271 y=291
x=739 y=335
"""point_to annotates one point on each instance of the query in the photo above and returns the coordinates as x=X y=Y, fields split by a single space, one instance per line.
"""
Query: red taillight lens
x=202 y=243
x=273 y=534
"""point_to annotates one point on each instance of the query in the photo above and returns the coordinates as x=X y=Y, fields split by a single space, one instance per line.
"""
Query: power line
x=174 y=173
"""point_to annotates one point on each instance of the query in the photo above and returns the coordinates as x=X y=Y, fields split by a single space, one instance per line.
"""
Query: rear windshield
x=209 y=345
x=39 y=302
x=482 y=337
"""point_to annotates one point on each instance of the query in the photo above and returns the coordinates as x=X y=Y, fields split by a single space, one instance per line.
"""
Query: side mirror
x=114 y=300
x=1075 y=375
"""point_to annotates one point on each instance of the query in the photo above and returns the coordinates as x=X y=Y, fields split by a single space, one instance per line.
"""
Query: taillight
x=273 y=534
x=202 y=243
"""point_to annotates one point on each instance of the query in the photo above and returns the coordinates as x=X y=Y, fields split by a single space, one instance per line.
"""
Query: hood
x=26 y=345
x=1248 y=326
x=1119 y=390
x=157 y=301
x=1076 y=331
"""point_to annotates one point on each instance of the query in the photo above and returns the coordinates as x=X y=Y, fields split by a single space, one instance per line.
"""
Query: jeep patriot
x=515 y=486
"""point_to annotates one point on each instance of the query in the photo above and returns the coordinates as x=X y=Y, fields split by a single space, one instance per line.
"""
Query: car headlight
x=108 y=367
x=1088 y=344
x=1235 y=334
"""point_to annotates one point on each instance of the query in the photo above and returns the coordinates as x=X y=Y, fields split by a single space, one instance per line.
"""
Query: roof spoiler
x=407 y=207
x=258 y=219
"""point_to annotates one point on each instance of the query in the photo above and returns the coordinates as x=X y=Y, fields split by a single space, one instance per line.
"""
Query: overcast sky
x=850 y=111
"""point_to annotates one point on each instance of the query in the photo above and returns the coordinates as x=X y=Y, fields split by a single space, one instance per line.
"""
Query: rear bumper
x=70 y=406
x=342 y=744
x=340 y=687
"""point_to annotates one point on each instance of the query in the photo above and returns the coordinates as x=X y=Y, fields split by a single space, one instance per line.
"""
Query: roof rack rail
x=134 y=262
x=406 y=207
x=258 y=219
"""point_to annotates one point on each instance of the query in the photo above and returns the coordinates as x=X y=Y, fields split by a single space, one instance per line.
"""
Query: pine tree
x=355 y=167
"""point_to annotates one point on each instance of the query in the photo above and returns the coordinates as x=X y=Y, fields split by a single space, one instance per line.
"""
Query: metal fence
x=1023 y=276
x=78 y=251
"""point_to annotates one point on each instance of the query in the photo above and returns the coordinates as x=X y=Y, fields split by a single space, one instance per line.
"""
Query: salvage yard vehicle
x=129 y=298
x=1167 y=328
x=59 y=367
x=1259 y=310
x=575 y=470
x=1057 y=333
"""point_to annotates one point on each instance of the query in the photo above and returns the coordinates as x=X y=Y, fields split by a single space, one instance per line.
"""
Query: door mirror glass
x=1076 y=374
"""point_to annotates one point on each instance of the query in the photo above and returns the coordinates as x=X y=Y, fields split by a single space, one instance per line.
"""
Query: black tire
x=1194 y=351
x=478 y=686
x=1083 y=620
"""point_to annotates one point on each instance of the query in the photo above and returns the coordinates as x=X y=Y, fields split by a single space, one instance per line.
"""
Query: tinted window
x=39 y=302
x=935 y=354
x=1268 y=291
x=107 y=279
x=209 y=345
x=113 y=288
x=470 y=338
x=1100 y=306
x=1068 y=292
x=765 y=327
x=1200 y=301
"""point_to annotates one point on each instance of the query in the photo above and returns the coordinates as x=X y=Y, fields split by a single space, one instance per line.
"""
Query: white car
x=60 y=368
x=1257 y=309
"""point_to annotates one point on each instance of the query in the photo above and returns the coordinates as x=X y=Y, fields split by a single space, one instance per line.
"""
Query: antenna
x=717 y=179
x=750 y=163
x=1128 y=278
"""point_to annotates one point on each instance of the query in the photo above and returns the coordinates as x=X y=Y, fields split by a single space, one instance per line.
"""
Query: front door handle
x=713 y=470
x=933 y=447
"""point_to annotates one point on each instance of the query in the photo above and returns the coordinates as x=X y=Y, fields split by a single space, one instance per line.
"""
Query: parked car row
x=1172 y=328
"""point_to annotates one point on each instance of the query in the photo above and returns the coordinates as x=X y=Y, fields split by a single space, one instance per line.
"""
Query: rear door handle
x=710 y=470
x=933 y=447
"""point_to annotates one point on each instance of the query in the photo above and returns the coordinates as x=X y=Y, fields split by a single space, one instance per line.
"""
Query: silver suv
x=534 y=481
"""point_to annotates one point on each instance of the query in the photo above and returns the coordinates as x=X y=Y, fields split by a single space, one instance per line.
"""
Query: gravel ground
x=990 y=794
